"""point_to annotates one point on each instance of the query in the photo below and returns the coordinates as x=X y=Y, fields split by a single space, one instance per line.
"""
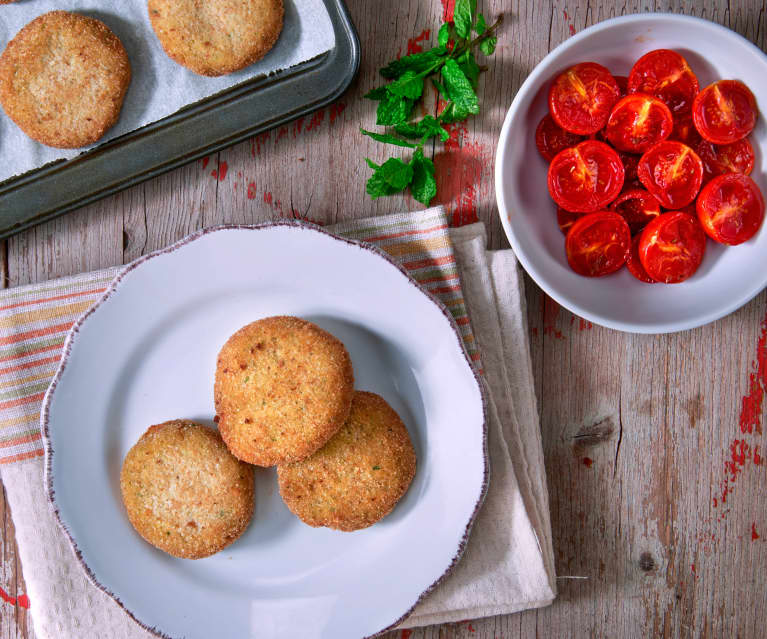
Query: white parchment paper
x=159 y=86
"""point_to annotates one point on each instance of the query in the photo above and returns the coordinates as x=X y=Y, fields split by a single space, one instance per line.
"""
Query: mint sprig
x=453 y=69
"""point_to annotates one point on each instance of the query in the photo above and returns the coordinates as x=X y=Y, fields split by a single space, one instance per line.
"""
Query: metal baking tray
x=192 y=133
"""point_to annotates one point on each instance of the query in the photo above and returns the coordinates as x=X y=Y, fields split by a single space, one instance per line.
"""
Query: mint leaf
x=459 y=91
x=409 y=85
x=377 y=187
x=481 y=25
x=416 y=62
x=376 y=94
x=487 y=46
x=392 y=176
x=388 y=139
x=468 y=64
x=428 y=127
x=441 y=88
x=424 y=186
x=450 y=115
x=396 y=173
x=392 y=110
x=462 y=17
x=443 y=37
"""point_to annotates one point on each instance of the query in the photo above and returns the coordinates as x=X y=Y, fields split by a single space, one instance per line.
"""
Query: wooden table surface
x=652 y=443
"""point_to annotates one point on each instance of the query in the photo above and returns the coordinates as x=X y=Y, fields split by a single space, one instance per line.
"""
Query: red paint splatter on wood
x=406 y=634
x=754 y=534
x=692 y=566
x=267 y=197
x=471 y=628
x=588 y=462
x=448 y=7
x=459 y=168
x=297 y=125
x=750 y=422
x=584 y=325
x=414 y=44
x=259 y=142
x=534 y=331
x=252 y=190
x=550 y=311
x=336 y=109
x=751 y=406
x=220 y=172
x=205 y=161
x=281 y=133
x=316 y=120
x=572 y=29
x=564 y=12
x=21 y=600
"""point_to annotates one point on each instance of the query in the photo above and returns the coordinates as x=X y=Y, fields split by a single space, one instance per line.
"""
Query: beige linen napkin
x=508 y=563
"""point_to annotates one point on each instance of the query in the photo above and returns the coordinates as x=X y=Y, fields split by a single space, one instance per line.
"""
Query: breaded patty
x=184 y=492
x=283 y=388
x=357 y=478
x=216 y=37
x=63 y=79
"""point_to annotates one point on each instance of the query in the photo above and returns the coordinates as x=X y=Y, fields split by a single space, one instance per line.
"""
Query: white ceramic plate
x=728 y=277
x=146 y=353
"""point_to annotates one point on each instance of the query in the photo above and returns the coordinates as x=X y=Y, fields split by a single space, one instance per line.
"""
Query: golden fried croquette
x=283 y=388
x=184 y=492
x=63 y=79
x=216 y=37
x=358 y=476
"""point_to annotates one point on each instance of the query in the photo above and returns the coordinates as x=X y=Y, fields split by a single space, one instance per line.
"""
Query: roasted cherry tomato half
x=666 y=75
x=630 y=163
x=623 y=84
x=586 y=177
x=724 y=112
x=581 y=97
x=737 y=157
x=689 y=209
x=671 y=247
x=565 y=219
x=637 y=122
x=672 y=172
x=598 y=244
x=684 y=130
x=638 y=207
x=550 y=138
x=634 y=264
x=731 y=208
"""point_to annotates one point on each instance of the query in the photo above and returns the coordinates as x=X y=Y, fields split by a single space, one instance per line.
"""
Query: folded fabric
x=508 y=564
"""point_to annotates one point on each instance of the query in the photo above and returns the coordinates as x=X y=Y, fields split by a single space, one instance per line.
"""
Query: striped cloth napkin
x=508 y=564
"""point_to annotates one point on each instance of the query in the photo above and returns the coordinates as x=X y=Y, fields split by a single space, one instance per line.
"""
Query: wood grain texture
x=642 y=434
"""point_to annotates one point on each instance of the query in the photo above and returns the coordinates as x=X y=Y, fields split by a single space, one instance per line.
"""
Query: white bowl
x=729 y=276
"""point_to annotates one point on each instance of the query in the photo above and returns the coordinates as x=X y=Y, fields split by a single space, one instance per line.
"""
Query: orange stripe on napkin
x=21 y=440
x=25 y=365
x=95 y=291
x=392 y=236
x=27 y=317
x=28 y=455
x=22 y=400
x=23 y=337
